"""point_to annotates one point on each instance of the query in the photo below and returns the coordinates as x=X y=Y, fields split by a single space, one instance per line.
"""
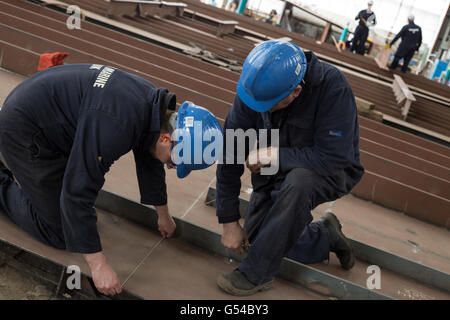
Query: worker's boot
x=237 y=284
x=339 y=244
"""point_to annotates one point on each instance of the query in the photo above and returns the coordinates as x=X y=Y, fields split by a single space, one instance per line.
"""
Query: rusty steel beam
x=132 y=41
x=119 y=57
x=405 y=136
x=406 y=175
x=404 y=146
x=403 y=158
x=436 y=124
x=80 y=57
x=401 y=197
x=108 y=40
x=221 y=111
x=18 y=59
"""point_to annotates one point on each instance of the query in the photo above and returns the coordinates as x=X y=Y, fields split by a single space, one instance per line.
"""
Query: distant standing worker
x=411 y=35
x=366 y=18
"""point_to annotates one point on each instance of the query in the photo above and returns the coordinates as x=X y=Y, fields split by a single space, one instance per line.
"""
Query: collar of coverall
x=314 y=71
x=162 y=101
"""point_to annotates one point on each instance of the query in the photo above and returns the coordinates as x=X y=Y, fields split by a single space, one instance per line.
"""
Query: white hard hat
x=411 y=17
x=370 y=3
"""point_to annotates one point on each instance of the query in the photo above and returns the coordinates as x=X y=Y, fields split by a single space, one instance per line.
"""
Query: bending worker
x=60 y=131
x=411 y=35
x=366 y=18
x=313 y=107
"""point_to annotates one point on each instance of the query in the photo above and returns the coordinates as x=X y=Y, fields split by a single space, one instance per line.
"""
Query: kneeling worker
x=313 y=107
x=61 y=130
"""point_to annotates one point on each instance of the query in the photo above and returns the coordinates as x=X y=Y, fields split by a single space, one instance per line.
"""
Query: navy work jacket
x=318 y=131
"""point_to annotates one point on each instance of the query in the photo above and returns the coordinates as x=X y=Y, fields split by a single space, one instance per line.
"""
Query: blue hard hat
x=197 y=132
x=270 y=73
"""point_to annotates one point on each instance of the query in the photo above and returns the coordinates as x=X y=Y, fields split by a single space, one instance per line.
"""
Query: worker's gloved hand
x=234 y=237
x=261 y=158
x=104 y=277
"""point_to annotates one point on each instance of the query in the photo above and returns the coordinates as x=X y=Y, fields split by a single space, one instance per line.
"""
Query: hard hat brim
x=182 y=171
x=263 y=106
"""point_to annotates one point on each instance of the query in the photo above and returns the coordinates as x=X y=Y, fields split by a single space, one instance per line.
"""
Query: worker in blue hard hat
x=311 y=107
x=62 y=129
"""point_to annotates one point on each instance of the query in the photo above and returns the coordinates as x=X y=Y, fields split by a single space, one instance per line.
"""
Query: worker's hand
x=261 y=158
x=234 y=237
x=166 y=225
x=104 y=277
x=170 y=165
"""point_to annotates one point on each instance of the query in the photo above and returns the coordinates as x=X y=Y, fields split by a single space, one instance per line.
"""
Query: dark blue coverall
x=60 y=131
x=411 y=35
x=361 y=32
x=319 y=162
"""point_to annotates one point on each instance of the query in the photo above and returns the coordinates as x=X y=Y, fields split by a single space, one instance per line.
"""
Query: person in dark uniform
x=411 y=35
x=60 y=131
x=313 y=108
x=366 y=18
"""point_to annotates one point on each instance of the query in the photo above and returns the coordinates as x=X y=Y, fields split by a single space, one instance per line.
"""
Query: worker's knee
x=301 y=181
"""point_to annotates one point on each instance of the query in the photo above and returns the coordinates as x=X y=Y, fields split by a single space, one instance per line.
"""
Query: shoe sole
x=226 y=286
x=333 y=220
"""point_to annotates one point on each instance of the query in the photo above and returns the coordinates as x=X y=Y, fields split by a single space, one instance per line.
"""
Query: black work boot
x=237 y=284
x=339 y=244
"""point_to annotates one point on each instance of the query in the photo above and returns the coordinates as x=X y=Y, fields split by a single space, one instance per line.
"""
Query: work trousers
x=34 y=202
x=407 y=56
x=278 y=223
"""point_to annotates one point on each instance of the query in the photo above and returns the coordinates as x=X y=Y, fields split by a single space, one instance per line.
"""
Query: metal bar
x=49 y=271
x=290 y=270
x=373 y=255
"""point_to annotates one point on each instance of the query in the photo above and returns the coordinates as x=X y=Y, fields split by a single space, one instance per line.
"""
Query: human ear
x=164 y=137
x=298 y=90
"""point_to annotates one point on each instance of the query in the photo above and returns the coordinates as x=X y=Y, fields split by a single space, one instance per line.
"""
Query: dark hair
x=165 y=125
